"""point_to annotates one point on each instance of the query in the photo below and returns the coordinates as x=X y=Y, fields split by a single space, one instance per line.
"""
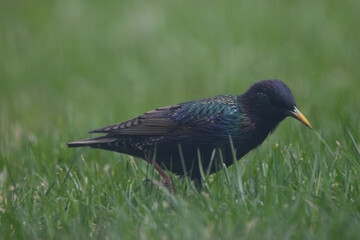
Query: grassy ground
x=67 y=67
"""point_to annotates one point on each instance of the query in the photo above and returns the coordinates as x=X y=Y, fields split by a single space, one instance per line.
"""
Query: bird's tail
x=91 y=142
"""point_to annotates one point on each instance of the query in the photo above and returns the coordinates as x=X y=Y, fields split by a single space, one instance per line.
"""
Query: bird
x=188 y=137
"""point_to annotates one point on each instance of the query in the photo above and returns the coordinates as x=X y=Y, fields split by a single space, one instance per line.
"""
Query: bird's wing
x=154 y=122
x=208 y=116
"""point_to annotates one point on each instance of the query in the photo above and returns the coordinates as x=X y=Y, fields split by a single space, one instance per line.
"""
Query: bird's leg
x=165 y=176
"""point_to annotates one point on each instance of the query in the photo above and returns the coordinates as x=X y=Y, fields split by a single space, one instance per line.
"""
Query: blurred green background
x=67 y=67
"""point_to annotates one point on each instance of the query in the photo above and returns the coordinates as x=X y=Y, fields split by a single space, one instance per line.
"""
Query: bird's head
x=272 y=100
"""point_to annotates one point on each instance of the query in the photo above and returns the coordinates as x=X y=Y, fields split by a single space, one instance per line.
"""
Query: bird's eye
x=262 y=94
x=276 y=102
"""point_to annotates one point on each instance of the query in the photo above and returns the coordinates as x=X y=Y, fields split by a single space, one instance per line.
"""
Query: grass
x=67 y=67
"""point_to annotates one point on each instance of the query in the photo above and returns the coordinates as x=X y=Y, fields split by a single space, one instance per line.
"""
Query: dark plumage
x=202 y=127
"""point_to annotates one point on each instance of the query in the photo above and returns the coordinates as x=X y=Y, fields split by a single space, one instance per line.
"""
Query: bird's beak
x=299 y=116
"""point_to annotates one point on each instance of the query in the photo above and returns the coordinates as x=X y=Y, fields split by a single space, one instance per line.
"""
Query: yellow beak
x=299 y=116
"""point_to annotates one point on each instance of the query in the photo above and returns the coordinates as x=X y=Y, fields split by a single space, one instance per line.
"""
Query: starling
x=205 y=133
